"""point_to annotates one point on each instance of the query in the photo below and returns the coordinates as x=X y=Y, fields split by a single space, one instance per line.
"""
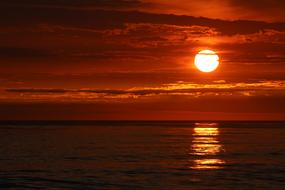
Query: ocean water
x=142 y=155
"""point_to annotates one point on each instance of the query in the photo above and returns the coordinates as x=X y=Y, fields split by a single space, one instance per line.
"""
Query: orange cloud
x=267 y=10
x=194 y=90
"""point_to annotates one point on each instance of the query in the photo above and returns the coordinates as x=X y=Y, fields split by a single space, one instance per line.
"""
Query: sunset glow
x=142 y=94
x=142 y=59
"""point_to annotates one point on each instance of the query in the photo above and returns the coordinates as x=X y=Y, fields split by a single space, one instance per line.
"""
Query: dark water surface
x=143 y=155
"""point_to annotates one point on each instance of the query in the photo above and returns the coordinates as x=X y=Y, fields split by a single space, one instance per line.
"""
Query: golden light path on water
x=206 y=147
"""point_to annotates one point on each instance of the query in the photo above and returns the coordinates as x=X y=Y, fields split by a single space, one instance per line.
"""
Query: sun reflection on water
x=206 y=147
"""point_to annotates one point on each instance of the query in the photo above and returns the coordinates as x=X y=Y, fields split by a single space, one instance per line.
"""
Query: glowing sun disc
x=206 y=61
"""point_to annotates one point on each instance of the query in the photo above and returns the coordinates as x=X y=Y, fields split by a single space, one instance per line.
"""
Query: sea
x=162 y=155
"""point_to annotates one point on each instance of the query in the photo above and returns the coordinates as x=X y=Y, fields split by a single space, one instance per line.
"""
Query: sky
x=133 y=60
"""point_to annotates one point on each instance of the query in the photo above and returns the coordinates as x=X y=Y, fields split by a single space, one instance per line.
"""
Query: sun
x=207 y=61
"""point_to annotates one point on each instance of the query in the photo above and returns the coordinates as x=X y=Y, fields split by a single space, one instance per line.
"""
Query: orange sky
x=132 y=59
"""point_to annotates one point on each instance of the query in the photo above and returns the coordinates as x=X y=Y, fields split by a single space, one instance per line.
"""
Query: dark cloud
x=74 y=3
x=246 y=89
x=239 y=8
x=263 y=99
x=265 y=10
x=108 y=35
x=17 y=53
x=103 y=19
x=38 y=90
